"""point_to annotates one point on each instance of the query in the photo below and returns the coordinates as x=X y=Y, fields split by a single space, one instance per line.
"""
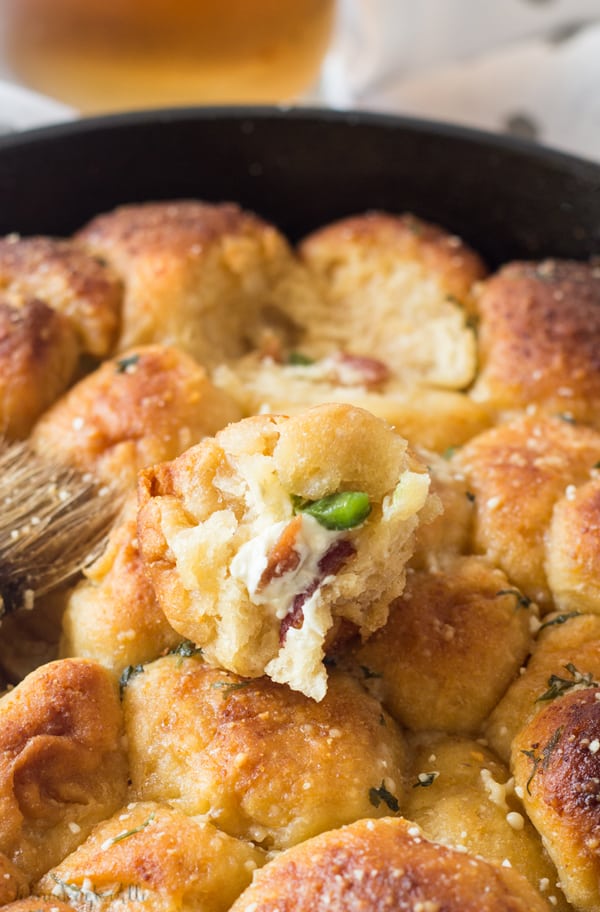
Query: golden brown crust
x=516 y=473
x=394 y=288
x=112 y=615
x=462 y=796
x=38 y=358
x=62 y=765
x=147 y=405
x=539 y=338
x=451 y=646
x=208 y=278
x=76 y=285
x=556 y=762
x=149 y=856
x=210 y=742
x=380 y=865
x=13 y=883
x=568 y=647
x=573 y=550
x=37 y=904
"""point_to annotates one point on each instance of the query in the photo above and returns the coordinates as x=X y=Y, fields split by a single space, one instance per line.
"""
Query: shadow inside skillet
x=301 y=168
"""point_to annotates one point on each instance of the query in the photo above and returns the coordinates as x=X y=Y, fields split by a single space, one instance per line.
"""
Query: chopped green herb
x=377 y=795
x=558 y=686
x=229 y=687
x=124 y=364
x=596 y=465
x=382 y=719
x=127 y=833
x=522 y=600
x=470 y=496
x=449 y=452
x=297 y=359
x=128 y=673
x=424 y=780
x=185 y=650
x=567 y=416
x=78 y=894
x=542 y=759
x=345 y=510
x=559 y=619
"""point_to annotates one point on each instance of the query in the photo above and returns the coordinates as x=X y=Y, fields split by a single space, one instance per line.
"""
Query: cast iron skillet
x=301 y=168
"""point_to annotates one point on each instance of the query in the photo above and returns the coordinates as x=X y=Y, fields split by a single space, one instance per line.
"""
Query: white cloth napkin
x=530 y=67
x=21 y=109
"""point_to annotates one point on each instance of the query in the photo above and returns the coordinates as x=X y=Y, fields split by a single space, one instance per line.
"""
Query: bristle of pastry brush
x=53 y=522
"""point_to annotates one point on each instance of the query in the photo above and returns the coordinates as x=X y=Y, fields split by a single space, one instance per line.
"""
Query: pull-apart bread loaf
x=261 y=540
x=341 y=649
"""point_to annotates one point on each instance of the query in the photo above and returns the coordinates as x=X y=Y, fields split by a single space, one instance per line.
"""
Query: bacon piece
x=283 y=557
x=361 y=369
x=331 y=563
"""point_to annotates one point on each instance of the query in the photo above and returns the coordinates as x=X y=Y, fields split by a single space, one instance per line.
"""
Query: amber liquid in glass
x=107 y=55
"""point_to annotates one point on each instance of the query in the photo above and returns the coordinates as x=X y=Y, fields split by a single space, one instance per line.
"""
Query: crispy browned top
x=39 y=353
x=147 y=405
x=386 y=864
x=61 y=760
x=539 y=337
x=58 y=272
x=516 y=473
x=556 y=761
x=139 y=229
x=451 y=646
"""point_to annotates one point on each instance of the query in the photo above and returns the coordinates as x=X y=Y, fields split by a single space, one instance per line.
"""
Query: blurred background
x=526 y=67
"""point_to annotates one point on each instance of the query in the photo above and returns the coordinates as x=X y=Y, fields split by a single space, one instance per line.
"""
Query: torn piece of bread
x=209 y=278
x=394 y=288
x=260 y=540
x=433 y=418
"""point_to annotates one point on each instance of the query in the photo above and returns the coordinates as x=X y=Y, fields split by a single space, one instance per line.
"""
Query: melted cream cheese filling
x=312 y=543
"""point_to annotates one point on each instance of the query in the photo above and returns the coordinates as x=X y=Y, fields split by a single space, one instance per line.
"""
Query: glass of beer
x=108 y=55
